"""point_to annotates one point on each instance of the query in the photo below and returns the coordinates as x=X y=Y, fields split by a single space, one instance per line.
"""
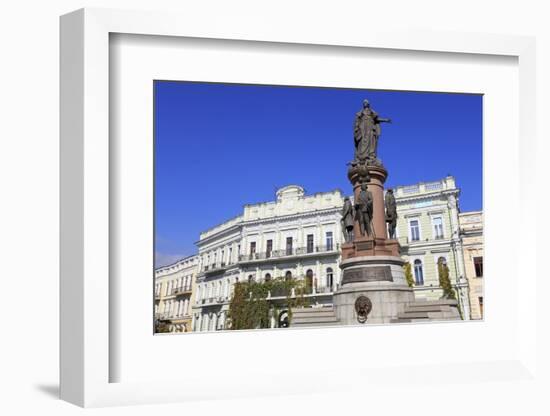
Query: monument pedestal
x=369 y=246
x=378 y=281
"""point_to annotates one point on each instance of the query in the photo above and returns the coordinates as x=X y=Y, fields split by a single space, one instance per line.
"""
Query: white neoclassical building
x=174 y=288
x=296 y=235
x=299 y=236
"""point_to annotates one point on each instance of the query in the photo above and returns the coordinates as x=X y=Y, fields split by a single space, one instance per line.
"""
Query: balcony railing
x=211 y=268
x=323 y=289
x=298 y=251
x=406 y=240
x=180 y=290
x=213 y=300
x=170 y=316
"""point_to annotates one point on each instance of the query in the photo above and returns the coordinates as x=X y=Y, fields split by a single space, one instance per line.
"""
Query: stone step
x=311 y=314
x=439 y=302
x=309 y=310
x=314 y=324
x=436 y=310
x=427 y=308
x=313 y=320
x=314 y=317
x=413 y=315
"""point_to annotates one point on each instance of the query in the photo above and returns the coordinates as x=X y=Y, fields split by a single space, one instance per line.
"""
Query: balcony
x=214 y=268
x=182 y=290
x=405 y=241
x=323 y=290
x=167 y=316
x=289 y=252
x=308 y=291
x=213 y=300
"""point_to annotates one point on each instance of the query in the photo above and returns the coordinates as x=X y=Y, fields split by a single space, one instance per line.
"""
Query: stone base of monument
x=370 y=246
x=373 y=290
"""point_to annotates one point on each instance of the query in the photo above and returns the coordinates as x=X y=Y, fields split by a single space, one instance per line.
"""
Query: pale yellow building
x=428 y=232
x=174 y=294
x=471 y=230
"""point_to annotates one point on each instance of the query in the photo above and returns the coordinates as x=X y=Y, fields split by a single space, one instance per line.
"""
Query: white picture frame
x=87 y=356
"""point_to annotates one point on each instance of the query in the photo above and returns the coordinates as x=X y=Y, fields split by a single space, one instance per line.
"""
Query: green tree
x=250 y=307
x=444 y=281
x=408 y=274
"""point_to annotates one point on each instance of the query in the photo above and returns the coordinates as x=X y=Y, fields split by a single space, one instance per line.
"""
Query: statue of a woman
x=366 y=132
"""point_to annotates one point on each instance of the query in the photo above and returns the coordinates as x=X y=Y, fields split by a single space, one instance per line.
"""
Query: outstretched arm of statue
x=383 y=120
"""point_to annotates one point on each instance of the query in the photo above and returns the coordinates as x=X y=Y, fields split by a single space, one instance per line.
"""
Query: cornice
x=426 y=196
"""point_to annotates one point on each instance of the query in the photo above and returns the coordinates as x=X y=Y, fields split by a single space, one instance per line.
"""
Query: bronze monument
x=391 y=213
x=366 y=131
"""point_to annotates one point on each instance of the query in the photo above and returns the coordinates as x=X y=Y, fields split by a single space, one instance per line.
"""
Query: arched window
x=288 y=275
x=418 y=273
x=330 y=277
x=267 y=277
x=250 y=278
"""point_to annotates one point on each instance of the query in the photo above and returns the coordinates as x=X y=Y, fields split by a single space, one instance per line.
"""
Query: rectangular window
x=289 y=246
x=230 y=259
x=252 y=249
x=418 y=273
x=415 y=230
x=330 y=241
x=269 y=248
x=438 y=228
x=478 y=264
x=310 y=243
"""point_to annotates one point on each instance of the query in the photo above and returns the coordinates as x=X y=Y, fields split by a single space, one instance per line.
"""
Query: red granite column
x=376 y=186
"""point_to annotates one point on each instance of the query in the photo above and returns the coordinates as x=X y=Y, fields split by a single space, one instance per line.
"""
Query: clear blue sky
x=220 y=146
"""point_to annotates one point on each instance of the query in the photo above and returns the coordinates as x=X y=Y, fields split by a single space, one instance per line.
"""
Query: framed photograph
x=311 y=213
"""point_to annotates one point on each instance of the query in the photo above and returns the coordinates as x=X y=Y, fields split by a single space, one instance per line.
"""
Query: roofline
x=177 y=261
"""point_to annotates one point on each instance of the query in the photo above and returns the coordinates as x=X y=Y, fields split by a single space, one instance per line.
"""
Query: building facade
x=428 y=231
x=471 y=230
x=174 y=294
x=296 y=236
x=299 y=236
